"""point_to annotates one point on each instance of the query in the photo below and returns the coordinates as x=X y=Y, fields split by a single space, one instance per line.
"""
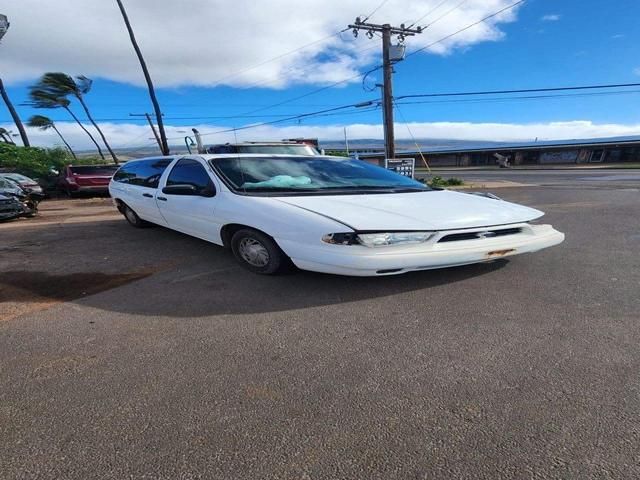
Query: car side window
x=126 y=173
x=190 y=172
x=143 y=173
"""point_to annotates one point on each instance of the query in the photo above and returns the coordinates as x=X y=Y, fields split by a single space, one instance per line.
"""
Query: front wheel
x=133 y=218
x=257 y=252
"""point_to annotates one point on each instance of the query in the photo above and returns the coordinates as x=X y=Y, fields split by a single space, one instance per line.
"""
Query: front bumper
x=356 y=260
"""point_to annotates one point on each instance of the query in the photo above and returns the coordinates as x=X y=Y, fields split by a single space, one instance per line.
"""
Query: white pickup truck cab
x=325 y=214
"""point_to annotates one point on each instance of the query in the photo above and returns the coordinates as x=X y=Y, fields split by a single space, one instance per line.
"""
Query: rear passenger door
x=187 y=200
x=139 y=181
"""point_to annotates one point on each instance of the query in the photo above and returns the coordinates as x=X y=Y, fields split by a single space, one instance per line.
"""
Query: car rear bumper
x=89 y=188
x=363 y=261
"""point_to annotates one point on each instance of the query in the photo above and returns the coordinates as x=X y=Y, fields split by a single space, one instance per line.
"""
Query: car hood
x=430 y=210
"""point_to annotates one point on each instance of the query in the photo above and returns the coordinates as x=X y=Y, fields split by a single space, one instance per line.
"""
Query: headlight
x=381 y=239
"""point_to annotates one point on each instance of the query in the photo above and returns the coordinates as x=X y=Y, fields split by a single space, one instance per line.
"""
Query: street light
x=4 y=25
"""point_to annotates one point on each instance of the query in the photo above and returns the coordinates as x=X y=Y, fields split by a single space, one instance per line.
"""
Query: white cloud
x=128 y=135
x=203 y=41
x=554 y=17
x=636 y=71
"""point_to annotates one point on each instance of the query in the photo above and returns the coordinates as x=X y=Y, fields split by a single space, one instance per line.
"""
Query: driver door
x=188 y=199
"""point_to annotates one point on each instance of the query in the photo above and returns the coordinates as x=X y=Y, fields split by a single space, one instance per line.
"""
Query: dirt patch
x=26 y=291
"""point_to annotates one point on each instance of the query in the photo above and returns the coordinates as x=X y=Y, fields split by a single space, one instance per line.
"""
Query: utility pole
x=390 y=55
x=153 y=127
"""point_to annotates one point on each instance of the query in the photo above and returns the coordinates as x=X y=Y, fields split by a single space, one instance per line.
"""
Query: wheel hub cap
x=253 y=252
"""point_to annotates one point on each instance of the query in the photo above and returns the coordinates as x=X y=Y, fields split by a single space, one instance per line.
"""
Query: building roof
x=513 y=146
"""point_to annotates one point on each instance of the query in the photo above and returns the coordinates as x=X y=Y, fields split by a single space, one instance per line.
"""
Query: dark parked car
x=10 y=207
x=85 y=179
x=28 y=198
x=28 y=184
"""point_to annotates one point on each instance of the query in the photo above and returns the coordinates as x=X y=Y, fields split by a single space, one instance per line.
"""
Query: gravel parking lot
x=129 y=353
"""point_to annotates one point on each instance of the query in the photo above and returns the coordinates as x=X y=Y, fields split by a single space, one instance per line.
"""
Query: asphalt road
x=576 y=178
x=149 y=354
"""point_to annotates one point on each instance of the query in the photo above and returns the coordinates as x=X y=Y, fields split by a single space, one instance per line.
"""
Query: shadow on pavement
x=236 y=291
x=159 y=272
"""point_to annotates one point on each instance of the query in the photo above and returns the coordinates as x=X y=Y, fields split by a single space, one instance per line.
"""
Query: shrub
x=437 y=181
x=37 y=162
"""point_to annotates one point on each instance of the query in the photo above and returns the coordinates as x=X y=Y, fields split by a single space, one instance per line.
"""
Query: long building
x=598 y=150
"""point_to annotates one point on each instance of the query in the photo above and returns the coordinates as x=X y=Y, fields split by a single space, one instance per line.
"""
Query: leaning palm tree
x=43 y=99
x=62 y=85
x=4 y=26
x=45 y=123
x=145 y=71
x=5 y=136
x=14 y=115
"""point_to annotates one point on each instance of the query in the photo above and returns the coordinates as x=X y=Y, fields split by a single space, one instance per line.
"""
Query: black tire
x=257 y=252
x=133 y=218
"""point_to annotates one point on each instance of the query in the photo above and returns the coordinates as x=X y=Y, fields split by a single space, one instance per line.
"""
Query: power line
x=529 y=97
x=375 y=10
x=448 y=12
x=326 y=112
x=429 y=12
x=321 y=89
x=313 y=92
x=525 y=90
x=513 y=5
x=277 y=57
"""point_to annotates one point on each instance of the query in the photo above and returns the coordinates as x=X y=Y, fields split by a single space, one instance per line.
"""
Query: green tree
x=43 y=99
x=45 y=123
x=32 y=161
x=62 y=85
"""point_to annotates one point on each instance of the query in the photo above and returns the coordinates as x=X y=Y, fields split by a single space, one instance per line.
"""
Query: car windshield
x=103 y=170
x=310 y=175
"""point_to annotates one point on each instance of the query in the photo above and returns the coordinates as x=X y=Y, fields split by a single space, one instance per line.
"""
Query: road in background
x=130 y=353
x=575 y=178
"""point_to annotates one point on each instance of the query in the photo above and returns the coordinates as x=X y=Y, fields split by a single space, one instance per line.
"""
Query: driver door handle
x=148 y=195
x=164 y=199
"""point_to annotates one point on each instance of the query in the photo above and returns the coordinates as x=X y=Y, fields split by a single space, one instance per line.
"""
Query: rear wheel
x=133 y=218
x=257 y=252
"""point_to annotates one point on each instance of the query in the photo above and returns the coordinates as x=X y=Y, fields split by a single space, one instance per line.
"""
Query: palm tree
x=152 y=94
x=45 y=123
x=4 y=26
x=43 y=99
x=5 y=136
x=62 y=85
x=14 y=115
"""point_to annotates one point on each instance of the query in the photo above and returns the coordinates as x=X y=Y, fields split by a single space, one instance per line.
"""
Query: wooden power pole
x=388 y=59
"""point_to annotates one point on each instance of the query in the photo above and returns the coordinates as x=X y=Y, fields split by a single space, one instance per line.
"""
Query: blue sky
x=547 y=43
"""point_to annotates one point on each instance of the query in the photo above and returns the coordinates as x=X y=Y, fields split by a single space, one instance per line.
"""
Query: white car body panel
x=430 y=210
x=297 y=223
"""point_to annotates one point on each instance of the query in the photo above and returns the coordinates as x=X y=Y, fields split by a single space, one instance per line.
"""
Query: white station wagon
x=324 y=214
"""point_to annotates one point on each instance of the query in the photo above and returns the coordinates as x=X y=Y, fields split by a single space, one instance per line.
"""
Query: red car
x=92 y=179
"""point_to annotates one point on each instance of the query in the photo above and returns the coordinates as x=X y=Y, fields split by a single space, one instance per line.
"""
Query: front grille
x=457 y=237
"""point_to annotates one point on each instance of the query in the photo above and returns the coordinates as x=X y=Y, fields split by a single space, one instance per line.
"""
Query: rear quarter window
x=143 y=173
